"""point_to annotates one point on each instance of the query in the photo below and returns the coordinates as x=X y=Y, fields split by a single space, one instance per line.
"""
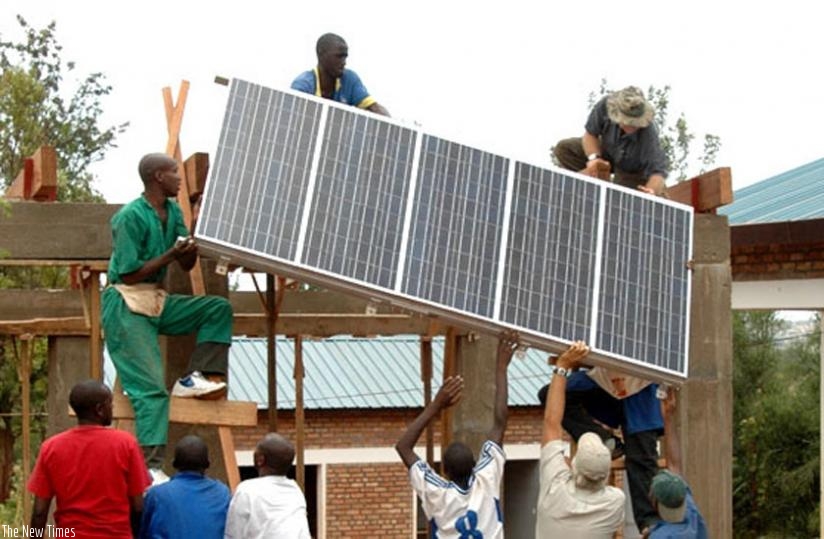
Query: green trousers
x=132 y=342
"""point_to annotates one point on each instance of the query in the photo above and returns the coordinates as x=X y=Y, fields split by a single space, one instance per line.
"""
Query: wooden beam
x=271 y=352
x=68 y=326
x=227 y=447
x=57 y=231
x=706 y=192
x=24 y=372
x=196 y=412
x=426 y=375
x=197 y=170
x=328 y=325
x=300 y=472
x=38 y=179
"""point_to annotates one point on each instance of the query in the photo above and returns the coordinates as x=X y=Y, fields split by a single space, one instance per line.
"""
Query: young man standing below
x=96 y=473
x=468 y=504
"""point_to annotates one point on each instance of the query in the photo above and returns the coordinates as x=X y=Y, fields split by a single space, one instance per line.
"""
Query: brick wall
x=776 y=262
x=365 y=500
x=346 y=429
x=372 y=499
x=776 y=251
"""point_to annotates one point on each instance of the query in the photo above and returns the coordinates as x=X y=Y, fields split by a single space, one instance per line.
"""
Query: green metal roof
x=795 y=195
x=349 y=372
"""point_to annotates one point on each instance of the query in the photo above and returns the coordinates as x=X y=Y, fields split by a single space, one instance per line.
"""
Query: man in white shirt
x=468 y=504
x=574 y=501
x=270 y=505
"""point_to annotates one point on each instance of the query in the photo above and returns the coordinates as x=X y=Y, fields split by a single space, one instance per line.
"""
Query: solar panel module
x=329 y=194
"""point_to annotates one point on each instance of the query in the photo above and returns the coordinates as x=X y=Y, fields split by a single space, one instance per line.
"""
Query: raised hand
x=450 y=392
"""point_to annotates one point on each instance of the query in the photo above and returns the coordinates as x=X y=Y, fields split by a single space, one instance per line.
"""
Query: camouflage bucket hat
x=629 y=107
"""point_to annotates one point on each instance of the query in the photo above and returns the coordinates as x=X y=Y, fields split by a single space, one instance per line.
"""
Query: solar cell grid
x=316 y=190
x=359 y=196
x=456 y=226
x=551 y=253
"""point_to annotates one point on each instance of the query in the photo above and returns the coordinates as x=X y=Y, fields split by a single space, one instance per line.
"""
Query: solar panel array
x=320 y=191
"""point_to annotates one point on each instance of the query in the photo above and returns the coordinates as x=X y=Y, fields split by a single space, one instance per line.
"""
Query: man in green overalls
x=148 y=234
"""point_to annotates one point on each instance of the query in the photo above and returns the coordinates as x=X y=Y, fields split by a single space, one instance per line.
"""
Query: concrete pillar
x=473 y=416
x=705 y=415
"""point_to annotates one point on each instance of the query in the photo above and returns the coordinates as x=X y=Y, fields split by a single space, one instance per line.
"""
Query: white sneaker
x=196 y=385
x=158 y=476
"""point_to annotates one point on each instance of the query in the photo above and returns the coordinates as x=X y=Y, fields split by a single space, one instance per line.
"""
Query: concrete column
x=473 y=416
x=705 y=415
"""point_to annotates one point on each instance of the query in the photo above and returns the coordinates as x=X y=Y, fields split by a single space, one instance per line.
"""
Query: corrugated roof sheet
x=795 y=195
x=348 y=372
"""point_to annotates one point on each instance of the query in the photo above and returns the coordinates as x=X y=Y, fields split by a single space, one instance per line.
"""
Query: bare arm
x=39 y=515
x=507 y=345
x=448 y=395
x=672 y=442
x=656 y=185
x=377 y=108
x=592 y=145
x=135 y=513
x=556 y=398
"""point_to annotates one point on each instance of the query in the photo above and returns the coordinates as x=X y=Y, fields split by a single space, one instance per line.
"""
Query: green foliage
x=39 y=106
x=677 y=140
x=776 y=420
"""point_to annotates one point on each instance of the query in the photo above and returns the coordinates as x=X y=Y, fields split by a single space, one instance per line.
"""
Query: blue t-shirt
x=692 y=527
x=348 y=88
x=189 y=505
x=637 y=413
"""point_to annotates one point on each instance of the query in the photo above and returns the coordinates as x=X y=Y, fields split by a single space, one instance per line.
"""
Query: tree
x=39 y=106
x=676 y=138
x=776 y=421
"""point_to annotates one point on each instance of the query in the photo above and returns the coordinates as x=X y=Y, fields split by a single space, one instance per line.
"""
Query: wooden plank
x=450 y=354
x=197 y=169
x=198 y=412
x=706 y=192
x=68 y=326
x=24 y=371
x=42 y=183
x=327 y=325
x=251 y=325
x=57 y=231
x=426 y=376
x=300 y=471
x=271 y=352
x=227 y=446
x=95 y=345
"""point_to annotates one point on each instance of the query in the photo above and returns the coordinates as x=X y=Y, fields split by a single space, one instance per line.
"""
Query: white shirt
x=457 y=512
x=564 y=511
x=272 y=506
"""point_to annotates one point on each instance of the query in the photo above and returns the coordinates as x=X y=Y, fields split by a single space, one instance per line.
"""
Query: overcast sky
x=510 y=77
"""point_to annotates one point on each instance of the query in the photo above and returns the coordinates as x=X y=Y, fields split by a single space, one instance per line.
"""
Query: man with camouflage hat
x=619 y=133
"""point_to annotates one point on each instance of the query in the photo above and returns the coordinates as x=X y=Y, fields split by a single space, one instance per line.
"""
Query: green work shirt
x=138 y=235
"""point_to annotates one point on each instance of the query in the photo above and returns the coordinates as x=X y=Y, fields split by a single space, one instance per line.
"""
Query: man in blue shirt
x=331 y=80
x=669 y=493
x=190 y=504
